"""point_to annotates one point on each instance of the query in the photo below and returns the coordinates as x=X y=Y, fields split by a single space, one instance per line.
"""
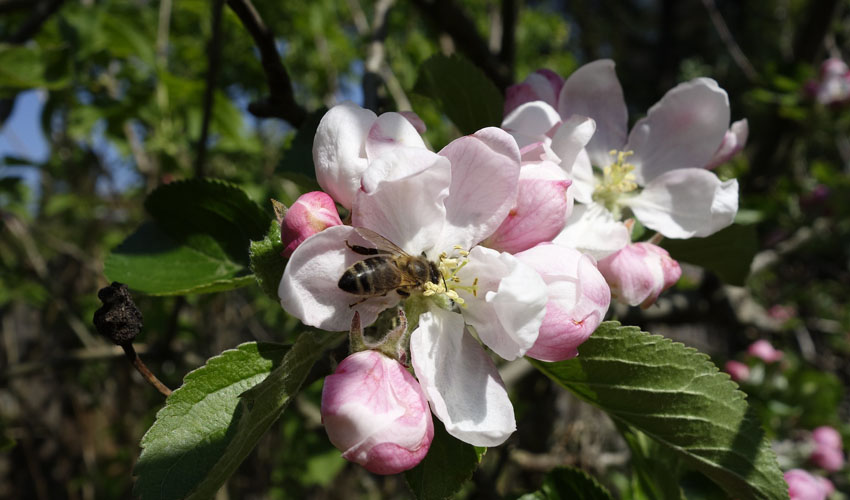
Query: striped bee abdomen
x=372 y=276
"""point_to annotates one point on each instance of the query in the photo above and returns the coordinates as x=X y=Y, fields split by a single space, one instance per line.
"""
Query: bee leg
x=403 y=293
x=364 y=299
x=362 y=250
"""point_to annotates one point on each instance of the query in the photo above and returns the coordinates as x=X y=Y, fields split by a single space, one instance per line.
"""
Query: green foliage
x=447 y=466
x=267 y=263
x=728 y=252
x=215 y=419
x=569 y=483
x=198 y=241
x=465 y=94
x=26 y=67
x=676 y=396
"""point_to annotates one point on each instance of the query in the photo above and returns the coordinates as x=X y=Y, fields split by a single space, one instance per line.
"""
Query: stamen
x=617 y=178
x=451 y=282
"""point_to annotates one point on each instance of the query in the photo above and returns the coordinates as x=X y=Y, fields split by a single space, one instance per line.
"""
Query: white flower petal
x=460 y=380
x=594 y=91
x=686 y=202
x=592 y=229
x=338 y=150
x=403 y=196
x=584 y=182
x=308 y=289
x=530 y=122
x=682 y=130
x=390 y=131
x=571 y=138
x=510 y=302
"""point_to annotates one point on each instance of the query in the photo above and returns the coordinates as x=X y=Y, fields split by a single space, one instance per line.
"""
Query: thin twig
x=143 y=369
x=446 y=15
x=281 y=102
x=214 y=54
x=40 y=13
x=507 y=47
x=729 y=41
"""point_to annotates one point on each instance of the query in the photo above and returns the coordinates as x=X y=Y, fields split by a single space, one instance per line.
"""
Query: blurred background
x=102 y=101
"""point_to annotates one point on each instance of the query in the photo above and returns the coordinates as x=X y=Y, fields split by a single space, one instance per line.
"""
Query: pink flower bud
x=639 y=273
x=375 y=412
x=764 y=351
x=828 y=437
x=542 y=85
x=804 y=486
x=541 y=210
x=737 y=370
x=577 y=303
x=828 y=453
x=311 y=213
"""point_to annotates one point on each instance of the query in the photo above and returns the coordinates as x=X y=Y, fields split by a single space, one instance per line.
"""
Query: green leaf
x=197 y=243
x=676 y=396
x=210 y=424
x=266 y=261
x=568 y=483
x=24 y=67
x=728 y=252
x=447 y=466
x=467 y=96
x=655 y=468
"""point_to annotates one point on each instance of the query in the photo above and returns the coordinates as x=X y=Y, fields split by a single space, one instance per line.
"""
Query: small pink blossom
x=737 y=370
x=763 y=350
x=577 y=303
x=833 y=85
x=781 y=313
x=639 y=273
x=311 y=213
x=828 y=453
x=375 y=412
x=804 y=486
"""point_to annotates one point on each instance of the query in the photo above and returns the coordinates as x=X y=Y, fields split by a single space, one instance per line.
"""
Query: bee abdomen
x=372 y=276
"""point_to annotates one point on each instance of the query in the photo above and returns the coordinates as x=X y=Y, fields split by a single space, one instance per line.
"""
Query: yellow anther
x=617 y=178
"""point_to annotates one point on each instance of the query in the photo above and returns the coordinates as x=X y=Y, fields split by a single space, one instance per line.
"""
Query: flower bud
x=828 y=453
x=578 y=299
x=764 y=351
x=737 y=370
x=311 y=213
x=639 y=273
x=375 y=412
x=804 y=486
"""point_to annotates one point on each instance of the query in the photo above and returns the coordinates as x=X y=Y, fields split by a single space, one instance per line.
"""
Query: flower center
x=449 y=266
x=617 y=179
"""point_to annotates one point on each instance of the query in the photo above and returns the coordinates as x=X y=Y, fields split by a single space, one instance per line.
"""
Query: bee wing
x=381 y=243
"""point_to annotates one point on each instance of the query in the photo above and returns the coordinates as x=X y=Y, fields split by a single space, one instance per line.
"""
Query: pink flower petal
x=390 y=131
x=531 y=122
x=639 y=273
x=311 y=213
x=733 y=142
x=592 y=230
x=484 y=185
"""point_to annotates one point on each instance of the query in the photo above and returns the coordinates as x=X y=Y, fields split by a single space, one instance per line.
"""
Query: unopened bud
x=375 y=412
x=763 y=350
x=828 y=454
x=310 y=214
x=639 y=272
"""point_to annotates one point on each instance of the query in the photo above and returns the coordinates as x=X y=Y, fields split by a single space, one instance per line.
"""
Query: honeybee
x=389 y=269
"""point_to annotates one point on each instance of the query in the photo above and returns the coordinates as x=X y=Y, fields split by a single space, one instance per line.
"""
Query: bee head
x=434 y=274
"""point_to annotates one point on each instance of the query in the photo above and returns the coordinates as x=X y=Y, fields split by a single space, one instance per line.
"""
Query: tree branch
x=375 y=59
x=447 y=16
x=729 y=41
x=281 y=102
x=507 y=51
x=214 y=54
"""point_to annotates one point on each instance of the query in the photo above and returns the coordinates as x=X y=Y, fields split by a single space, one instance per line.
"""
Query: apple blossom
x=763 y=350
x=804 y=486
x=439 y=206
x=737 y=370
x=311 y=213
x=833 y=84
x=639 y=272
x=374 y=411
x=657 y=172
x=827 y=453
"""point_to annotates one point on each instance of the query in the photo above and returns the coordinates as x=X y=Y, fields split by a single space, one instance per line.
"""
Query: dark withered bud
x=119 y=319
